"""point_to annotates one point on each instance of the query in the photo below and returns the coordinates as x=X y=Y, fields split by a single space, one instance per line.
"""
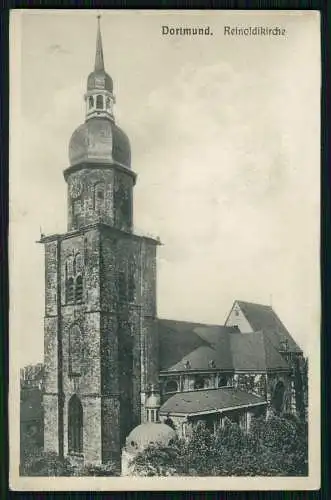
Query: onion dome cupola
x=99 y=139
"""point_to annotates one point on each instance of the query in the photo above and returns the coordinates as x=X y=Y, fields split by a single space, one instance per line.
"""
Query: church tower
x=101 y=347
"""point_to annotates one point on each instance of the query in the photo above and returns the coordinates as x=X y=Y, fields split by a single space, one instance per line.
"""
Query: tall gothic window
x=99 y=101
x=69 y=281
x=277 y=399
x=79 y=289
x=75 y=425
x=77 y=264
x=70 y=290
x=75 y=350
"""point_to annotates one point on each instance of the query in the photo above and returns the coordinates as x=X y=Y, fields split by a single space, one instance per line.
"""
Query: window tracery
x=74 y=279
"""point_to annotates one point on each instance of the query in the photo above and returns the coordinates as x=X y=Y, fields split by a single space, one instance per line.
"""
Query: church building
x=117 y=377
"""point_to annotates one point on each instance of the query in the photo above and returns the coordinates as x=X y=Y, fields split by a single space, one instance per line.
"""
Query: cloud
x=57 y=49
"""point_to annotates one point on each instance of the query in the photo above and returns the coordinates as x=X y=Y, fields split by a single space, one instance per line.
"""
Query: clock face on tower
x=75 y=187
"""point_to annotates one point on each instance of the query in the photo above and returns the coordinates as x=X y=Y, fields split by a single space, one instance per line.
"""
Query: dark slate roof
x=262 y=317
x=181 y=341
x=254 y=351
x=187 y=403
x=31 y=405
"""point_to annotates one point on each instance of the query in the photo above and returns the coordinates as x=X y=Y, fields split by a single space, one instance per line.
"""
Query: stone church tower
x=101 y=347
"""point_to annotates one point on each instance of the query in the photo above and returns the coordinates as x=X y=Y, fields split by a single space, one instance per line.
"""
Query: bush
x=158 y=460
x=273 y=447
x=50 y=464
x=102 y=470
x=45 y=464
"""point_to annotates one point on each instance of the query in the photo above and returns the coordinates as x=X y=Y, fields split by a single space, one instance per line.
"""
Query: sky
x=225 y=137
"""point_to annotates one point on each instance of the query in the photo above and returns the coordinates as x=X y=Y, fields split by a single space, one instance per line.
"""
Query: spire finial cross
x=99 y=64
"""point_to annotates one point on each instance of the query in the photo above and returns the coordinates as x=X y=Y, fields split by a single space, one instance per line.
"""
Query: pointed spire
x=99 y=64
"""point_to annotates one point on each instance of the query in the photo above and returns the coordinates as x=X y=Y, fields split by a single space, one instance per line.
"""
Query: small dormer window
x=187 y=365
x=99 y=102
x=212 y=364
x=236 y=312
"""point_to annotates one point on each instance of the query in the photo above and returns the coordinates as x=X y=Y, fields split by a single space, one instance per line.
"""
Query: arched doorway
x=278 y=396
x=75 y=425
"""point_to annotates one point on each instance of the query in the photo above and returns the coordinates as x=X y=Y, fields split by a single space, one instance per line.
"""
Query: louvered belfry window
x=79 y=289
x=70 y=295
x=74 y=285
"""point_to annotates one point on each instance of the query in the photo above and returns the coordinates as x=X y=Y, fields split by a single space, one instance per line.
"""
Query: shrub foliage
x=273 y=447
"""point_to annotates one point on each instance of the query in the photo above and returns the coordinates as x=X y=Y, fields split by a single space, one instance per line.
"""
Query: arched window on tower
x=75 y=350
x=69 y=281
x=75 y=425
x=79 y=289
x=99 y=102
x=91 y=102
x=70 y=290
x=99 y=196
x=108 y=103
x=77 y=264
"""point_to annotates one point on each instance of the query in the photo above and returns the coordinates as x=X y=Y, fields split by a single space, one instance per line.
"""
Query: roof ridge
x=254 y=304
x=194 y=323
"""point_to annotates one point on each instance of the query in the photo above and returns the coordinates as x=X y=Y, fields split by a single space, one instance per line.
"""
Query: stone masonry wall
x=50 y=404
x=110 y=427
x=89 y=209
x=50 y=397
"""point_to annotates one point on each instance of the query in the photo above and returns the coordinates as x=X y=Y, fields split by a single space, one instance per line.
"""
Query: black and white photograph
x=164 y=248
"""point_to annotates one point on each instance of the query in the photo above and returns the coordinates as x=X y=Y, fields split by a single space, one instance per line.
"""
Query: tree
x=158 y=460
x=273 y=447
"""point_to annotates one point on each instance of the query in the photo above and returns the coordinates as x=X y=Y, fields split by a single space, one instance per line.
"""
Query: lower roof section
x=209 y=401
